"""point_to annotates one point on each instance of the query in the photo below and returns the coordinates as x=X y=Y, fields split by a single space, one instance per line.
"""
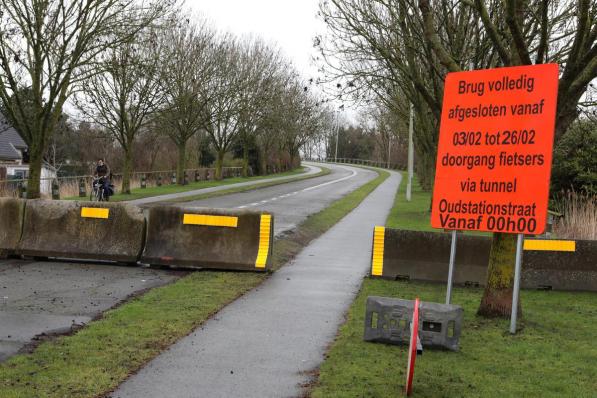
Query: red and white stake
x=412 y=349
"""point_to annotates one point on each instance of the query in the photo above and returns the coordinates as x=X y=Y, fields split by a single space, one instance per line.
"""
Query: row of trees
x=129 y=66
x=375 y=136
x=393 y=53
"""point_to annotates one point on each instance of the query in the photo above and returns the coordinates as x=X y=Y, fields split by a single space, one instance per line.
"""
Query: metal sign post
x=451 y=267
x=516 y=291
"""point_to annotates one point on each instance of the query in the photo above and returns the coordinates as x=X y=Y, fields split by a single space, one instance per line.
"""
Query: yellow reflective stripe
x=264 y=238
x=378 y=246
x=550 y=245
x=212 y=221
x=94 y=212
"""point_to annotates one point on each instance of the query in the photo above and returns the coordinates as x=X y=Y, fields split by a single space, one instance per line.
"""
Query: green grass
x=138 y=193
x=99 y=357
x=96 y=359
x=554 y=355
x=414 y=215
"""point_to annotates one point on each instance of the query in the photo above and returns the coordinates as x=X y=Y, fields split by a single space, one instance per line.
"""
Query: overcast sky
x=291 y=24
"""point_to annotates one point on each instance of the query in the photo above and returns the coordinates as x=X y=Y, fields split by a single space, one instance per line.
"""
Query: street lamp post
x=411 y=154
x=389 y=148
x=340 y=108
x=337 y=133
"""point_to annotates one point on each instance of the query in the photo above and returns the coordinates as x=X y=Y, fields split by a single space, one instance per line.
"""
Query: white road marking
x=353 y=173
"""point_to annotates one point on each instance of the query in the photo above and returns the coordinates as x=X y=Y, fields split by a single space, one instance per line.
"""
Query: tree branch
x=493 y=33
x=433 y=38
x=517 y=36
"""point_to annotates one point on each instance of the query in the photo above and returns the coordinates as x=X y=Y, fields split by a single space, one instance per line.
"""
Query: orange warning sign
x=495 y=150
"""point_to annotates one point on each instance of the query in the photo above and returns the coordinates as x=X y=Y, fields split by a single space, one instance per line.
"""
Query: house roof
x=10 y=141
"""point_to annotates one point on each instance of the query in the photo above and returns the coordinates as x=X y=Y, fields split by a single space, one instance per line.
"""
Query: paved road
x=161 y=198
x=48 y=297
x=263 y=344
x=294 y=202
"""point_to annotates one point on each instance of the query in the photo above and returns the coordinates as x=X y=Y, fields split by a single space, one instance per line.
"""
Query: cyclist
x=102 y=173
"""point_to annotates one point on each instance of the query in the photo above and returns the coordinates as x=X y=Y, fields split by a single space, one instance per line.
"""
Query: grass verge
x=138 y=193
x=553 y=356
x=99 y=357
x=416 y=214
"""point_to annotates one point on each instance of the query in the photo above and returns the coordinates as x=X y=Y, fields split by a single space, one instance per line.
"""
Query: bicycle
x=98 y=193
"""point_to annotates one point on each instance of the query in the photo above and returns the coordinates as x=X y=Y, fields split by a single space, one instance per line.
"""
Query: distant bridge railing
x=76 y=185
x=361 y=162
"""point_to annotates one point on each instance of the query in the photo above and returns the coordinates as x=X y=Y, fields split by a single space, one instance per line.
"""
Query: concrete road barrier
x=11 y=224
x=560 y=264
x=402 y=254
x=547 y=264
x=208 y=238
x=82 y=230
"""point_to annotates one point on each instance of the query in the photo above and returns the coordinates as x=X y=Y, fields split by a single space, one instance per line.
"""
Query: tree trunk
x=220 y=163
x=497 y=298
x=126 y=172
x=36 y=160
x=180 y=165
x=263 y=161
x=245 y=160
x=293 y=157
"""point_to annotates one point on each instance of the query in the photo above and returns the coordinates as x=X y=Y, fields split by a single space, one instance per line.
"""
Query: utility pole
x=340 y=108
x=337 y=133
x=411 y=154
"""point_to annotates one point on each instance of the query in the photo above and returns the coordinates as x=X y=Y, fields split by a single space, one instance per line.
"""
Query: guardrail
x=361 y=162
x=75 y=185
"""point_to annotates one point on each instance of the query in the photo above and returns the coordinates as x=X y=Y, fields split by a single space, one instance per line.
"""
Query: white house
x=14 y=158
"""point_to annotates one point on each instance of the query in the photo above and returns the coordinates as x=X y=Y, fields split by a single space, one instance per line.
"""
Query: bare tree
x=304 y=118
x=44 y=45
x=227 y=82
x=273 y=118
x=187 y=66
x=533 y=33
x=375 y=52
x=264 y=69
x=388 y=48
x=126 y=94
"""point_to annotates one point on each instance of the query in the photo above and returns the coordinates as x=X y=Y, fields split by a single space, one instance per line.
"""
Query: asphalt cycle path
x=265 y=343
x=162 y=198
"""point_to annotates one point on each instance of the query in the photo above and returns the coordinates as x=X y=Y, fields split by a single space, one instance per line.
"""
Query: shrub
x=579 y=217
x=575 y=159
